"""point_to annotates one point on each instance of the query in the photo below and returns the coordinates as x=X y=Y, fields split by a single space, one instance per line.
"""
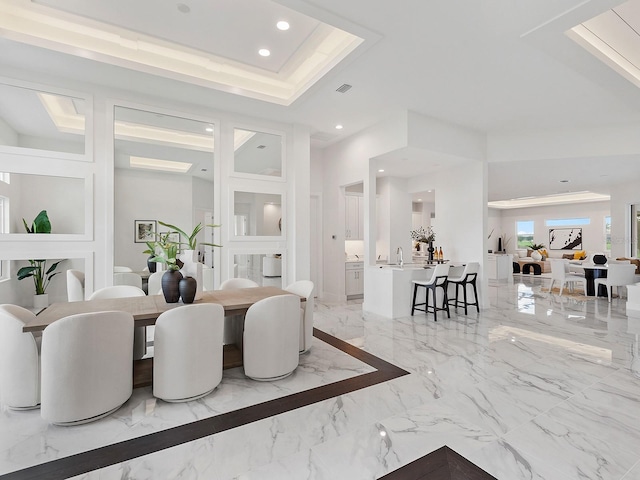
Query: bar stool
x=438 y=279
x=468 y=277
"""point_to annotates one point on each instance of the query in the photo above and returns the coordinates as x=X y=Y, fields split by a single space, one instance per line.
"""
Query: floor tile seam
x=637 y=464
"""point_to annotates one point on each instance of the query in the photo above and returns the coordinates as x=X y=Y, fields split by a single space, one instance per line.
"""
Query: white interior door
x=316 y=243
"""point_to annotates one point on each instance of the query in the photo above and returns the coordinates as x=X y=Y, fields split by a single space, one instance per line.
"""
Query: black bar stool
x=438 y=279
x=468 y=277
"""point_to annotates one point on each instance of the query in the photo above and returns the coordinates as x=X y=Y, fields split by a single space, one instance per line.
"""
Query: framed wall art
x=565 y=238
x=144 y=230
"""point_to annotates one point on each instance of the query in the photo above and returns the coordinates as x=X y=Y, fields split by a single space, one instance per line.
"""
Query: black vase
x=431 y=250
x=188 y=287
x=152 y=266
x=171 y=286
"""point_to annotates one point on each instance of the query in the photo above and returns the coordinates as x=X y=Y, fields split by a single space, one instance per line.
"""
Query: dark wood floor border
x=136 y=447
x=441 y=464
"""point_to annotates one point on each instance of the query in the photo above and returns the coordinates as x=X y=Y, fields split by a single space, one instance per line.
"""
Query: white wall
x=593 y=234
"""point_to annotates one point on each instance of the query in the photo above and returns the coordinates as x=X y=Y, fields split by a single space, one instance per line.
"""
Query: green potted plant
x=37 y=269
x=535 y=247
x=192 y=242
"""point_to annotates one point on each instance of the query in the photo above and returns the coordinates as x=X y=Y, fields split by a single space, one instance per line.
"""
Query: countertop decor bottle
x=440 y=255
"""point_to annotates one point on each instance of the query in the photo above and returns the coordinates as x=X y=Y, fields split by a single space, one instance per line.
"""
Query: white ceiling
x=499 y=66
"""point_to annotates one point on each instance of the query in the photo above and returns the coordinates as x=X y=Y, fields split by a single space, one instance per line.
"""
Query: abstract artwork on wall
x=565 y=238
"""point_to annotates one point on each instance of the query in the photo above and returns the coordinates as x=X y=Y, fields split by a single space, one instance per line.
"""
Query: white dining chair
x=187 y=359
x=75 y=285
x=234 y=324
x=127 y=278
x=304 y=288
x=87 y=366
x=618 y=275
x=19 y=359
x=125 y=291
x=121 y=269
x=272 y=338
x=154 y=284
x=561 y=274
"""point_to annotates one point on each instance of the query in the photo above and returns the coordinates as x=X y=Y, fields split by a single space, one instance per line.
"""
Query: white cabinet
x=499 y=267
x=354 y=278
x=354 y=217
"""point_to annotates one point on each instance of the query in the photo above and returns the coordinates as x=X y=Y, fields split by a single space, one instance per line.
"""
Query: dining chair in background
x=121 y=269
x=125 y=291
x=561 y=274
x=87 y=366
x=618 y=275
x=128 y=278
x=187 y=361
x=272 y=338
x=304 y=288
x=154 y=285
x=75 y=285
x=233 y=325
x=19 y=359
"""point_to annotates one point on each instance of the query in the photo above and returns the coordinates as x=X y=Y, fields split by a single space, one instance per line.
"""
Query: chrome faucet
x=399 y=259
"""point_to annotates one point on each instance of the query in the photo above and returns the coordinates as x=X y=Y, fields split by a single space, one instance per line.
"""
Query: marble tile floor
x=537 y=386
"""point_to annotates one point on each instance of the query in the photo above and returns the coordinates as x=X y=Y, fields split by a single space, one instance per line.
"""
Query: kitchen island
x=389 y=290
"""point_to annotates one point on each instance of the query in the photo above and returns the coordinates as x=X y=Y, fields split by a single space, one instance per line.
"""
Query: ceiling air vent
x=261 y=146
x=344 y=88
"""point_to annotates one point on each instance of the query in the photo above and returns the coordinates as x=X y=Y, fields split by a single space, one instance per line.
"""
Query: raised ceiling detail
x=614 y=38
x=218 y=53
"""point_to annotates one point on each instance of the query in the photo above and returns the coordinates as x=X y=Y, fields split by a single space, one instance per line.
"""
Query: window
x=607 y=233
x=4 y=177
x=568 y=222
x=524 y=233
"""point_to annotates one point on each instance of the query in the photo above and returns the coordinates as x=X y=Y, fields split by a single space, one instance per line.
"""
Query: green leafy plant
x=37 y=269
x=535 y=246
x=168 y=249
x=191 y=242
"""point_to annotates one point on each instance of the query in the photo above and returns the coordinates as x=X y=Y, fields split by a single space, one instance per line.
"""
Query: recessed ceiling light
x=209 y=129
x=264 y=52
x=184 y=8
x=429 y=191
x=419 y=199
x=282 y=25
x=338 y=127
x=381 y=170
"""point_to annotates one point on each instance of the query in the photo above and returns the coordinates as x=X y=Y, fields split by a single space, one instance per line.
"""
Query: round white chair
x=304 y=288
x=272 y=338
x=187 y=361
x=121 y=269
x=128 y=278
x=154 y=285
x=87 y=366
x=233 y=325
x=125 y=291
x=75 y=285
x=19 y=359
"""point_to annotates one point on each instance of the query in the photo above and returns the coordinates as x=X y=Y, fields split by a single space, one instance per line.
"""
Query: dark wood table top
x=145 y=310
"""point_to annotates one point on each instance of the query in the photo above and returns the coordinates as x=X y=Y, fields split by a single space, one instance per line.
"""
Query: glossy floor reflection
x=536 y=387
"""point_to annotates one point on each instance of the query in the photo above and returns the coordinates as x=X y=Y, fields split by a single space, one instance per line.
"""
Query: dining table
x=591 y=272
x=146 y=310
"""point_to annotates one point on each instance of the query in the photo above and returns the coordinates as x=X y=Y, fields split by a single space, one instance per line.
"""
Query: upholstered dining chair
x=561 y=274
x=19 y=359
x=154 y=284
x=272 y=338
x=618 y=275
x=304 y=288
x=438 y=280
x=128 y=278
x=233 y=325
x=87 y=366
x=121 y=269
x=125 y=291
x=75 y=285
x=187 y=358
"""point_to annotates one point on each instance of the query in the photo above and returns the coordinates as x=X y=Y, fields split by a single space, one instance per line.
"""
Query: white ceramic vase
x=192 y=268
x=536 y=255
x=41 y=301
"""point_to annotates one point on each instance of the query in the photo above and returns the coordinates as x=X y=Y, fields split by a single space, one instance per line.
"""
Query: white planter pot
x=536 y=255
x=41 y=301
